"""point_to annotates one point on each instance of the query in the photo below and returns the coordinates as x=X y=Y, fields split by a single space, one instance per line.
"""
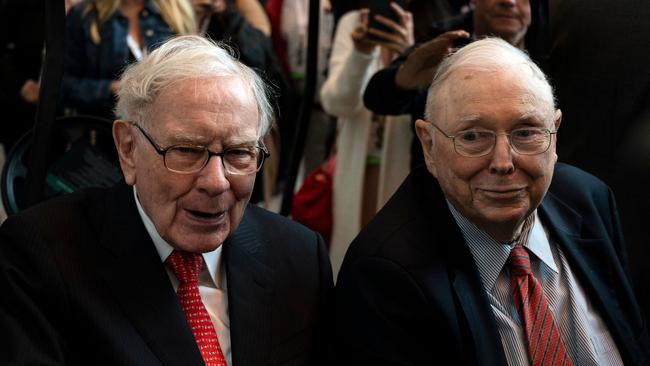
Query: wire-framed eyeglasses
x=524 y=141
x=188 y=159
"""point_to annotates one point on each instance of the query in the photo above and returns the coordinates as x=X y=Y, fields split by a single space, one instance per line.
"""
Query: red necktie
x=545 y=346
x=187 y=266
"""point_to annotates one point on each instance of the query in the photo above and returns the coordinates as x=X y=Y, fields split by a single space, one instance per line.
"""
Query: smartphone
x=381 y=7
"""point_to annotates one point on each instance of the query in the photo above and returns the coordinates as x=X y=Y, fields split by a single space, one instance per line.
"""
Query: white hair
x=183 y=58
x=492 y=55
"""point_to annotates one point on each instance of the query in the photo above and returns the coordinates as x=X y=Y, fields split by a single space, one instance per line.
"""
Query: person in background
x=368 y=167
x=492 y=253
x=104 y=36
x=234 y=23
x=172 y=266
x=251 y=10
x=402 y=87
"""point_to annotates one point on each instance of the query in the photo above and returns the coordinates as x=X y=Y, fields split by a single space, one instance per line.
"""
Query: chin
x=504 y=215
x=199 y=242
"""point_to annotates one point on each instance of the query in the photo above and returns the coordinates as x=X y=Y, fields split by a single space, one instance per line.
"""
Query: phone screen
x=381 y=7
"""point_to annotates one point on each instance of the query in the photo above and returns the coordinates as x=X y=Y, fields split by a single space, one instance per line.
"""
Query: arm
x=392 y=90
x=349 y=70
x=78 y=88
x=31 y=309
x=255 y=14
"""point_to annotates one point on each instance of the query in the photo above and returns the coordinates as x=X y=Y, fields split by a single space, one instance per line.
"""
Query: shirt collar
x=212 y=259
x=490 y=255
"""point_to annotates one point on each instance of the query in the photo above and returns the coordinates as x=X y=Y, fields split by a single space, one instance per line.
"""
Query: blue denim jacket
x=90 y=68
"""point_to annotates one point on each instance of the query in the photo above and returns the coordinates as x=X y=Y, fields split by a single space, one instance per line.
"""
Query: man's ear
x=425 y=135
x=556 y=124
x=558 y=119
x=125 y=145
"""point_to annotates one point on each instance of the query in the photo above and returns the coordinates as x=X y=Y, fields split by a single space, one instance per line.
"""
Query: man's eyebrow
x=532 y=116
x=470 y=118
x=177 y=137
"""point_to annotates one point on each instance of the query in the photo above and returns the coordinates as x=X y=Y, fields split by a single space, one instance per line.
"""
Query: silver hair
x=182 y=58
x=492 y=55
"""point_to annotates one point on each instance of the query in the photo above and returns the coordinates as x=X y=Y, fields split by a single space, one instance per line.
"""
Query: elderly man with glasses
x=173 y=266
x=493 y=253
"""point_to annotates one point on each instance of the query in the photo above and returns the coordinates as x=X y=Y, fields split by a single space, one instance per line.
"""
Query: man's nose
x=213 y=177
x=501 y=159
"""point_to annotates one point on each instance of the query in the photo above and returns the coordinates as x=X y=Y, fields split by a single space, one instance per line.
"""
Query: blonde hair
x=178 y=14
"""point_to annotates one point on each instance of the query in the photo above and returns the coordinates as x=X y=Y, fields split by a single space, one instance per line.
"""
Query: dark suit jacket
x=82 y=284
x=409 y=292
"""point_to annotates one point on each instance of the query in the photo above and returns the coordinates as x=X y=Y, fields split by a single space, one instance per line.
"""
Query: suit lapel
x=464 y=275
x=250 y=289
x=591 y=262
x=476 y=307
x=132 y=269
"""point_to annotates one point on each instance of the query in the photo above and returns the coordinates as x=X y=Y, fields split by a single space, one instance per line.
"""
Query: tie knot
x=519 y=261
x=186 y=265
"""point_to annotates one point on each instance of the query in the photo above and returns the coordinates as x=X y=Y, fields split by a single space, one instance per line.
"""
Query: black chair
x=82 y=155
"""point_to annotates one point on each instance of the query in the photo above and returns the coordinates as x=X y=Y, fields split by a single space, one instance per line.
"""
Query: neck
x=504 y=232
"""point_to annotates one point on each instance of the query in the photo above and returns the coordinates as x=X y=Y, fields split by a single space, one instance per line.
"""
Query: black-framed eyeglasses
x=188 y=159
x=524 y=141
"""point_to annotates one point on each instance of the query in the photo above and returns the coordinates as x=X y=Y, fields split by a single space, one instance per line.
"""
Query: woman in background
x=104 y=36
x=369 y=165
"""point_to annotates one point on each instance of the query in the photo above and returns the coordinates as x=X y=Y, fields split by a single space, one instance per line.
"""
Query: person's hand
x=420 y=66
x=400 y=37
x=29 y=91
x=360 y=34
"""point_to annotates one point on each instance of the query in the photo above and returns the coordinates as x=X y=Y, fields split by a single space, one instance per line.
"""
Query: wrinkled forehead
x=516 y=84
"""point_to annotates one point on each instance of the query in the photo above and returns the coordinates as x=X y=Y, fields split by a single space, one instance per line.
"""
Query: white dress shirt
x=584 y=333
x=212 y=282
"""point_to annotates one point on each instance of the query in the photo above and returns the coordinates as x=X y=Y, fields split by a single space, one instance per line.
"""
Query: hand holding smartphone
x=382 y=8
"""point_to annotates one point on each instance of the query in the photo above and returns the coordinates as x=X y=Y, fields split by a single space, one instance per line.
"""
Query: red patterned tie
x=187 y=266
x=545 y=346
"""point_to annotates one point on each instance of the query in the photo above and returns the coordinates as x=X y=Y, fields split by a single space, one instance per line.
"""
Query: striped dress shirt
x=584 y=333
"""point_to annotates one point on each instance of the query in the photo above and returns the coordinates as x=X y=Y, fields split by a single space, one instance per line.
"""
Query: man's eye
x=187 y=150
x=474 y=136
x=240 y=153
x=527 y=133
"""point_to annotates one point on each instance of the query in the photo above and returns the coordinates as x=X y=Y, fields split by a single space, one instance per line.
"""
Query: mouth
x=206 y=216
x=506 y=16
x=503 y=193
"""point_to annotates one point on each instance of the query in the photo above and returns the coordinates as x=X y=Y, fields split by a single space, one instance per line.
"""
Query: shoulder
x=60 y=209
x=573 y=185
x=66 y=216
x=275 y=225
x=279 y=236
x=410 y=229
